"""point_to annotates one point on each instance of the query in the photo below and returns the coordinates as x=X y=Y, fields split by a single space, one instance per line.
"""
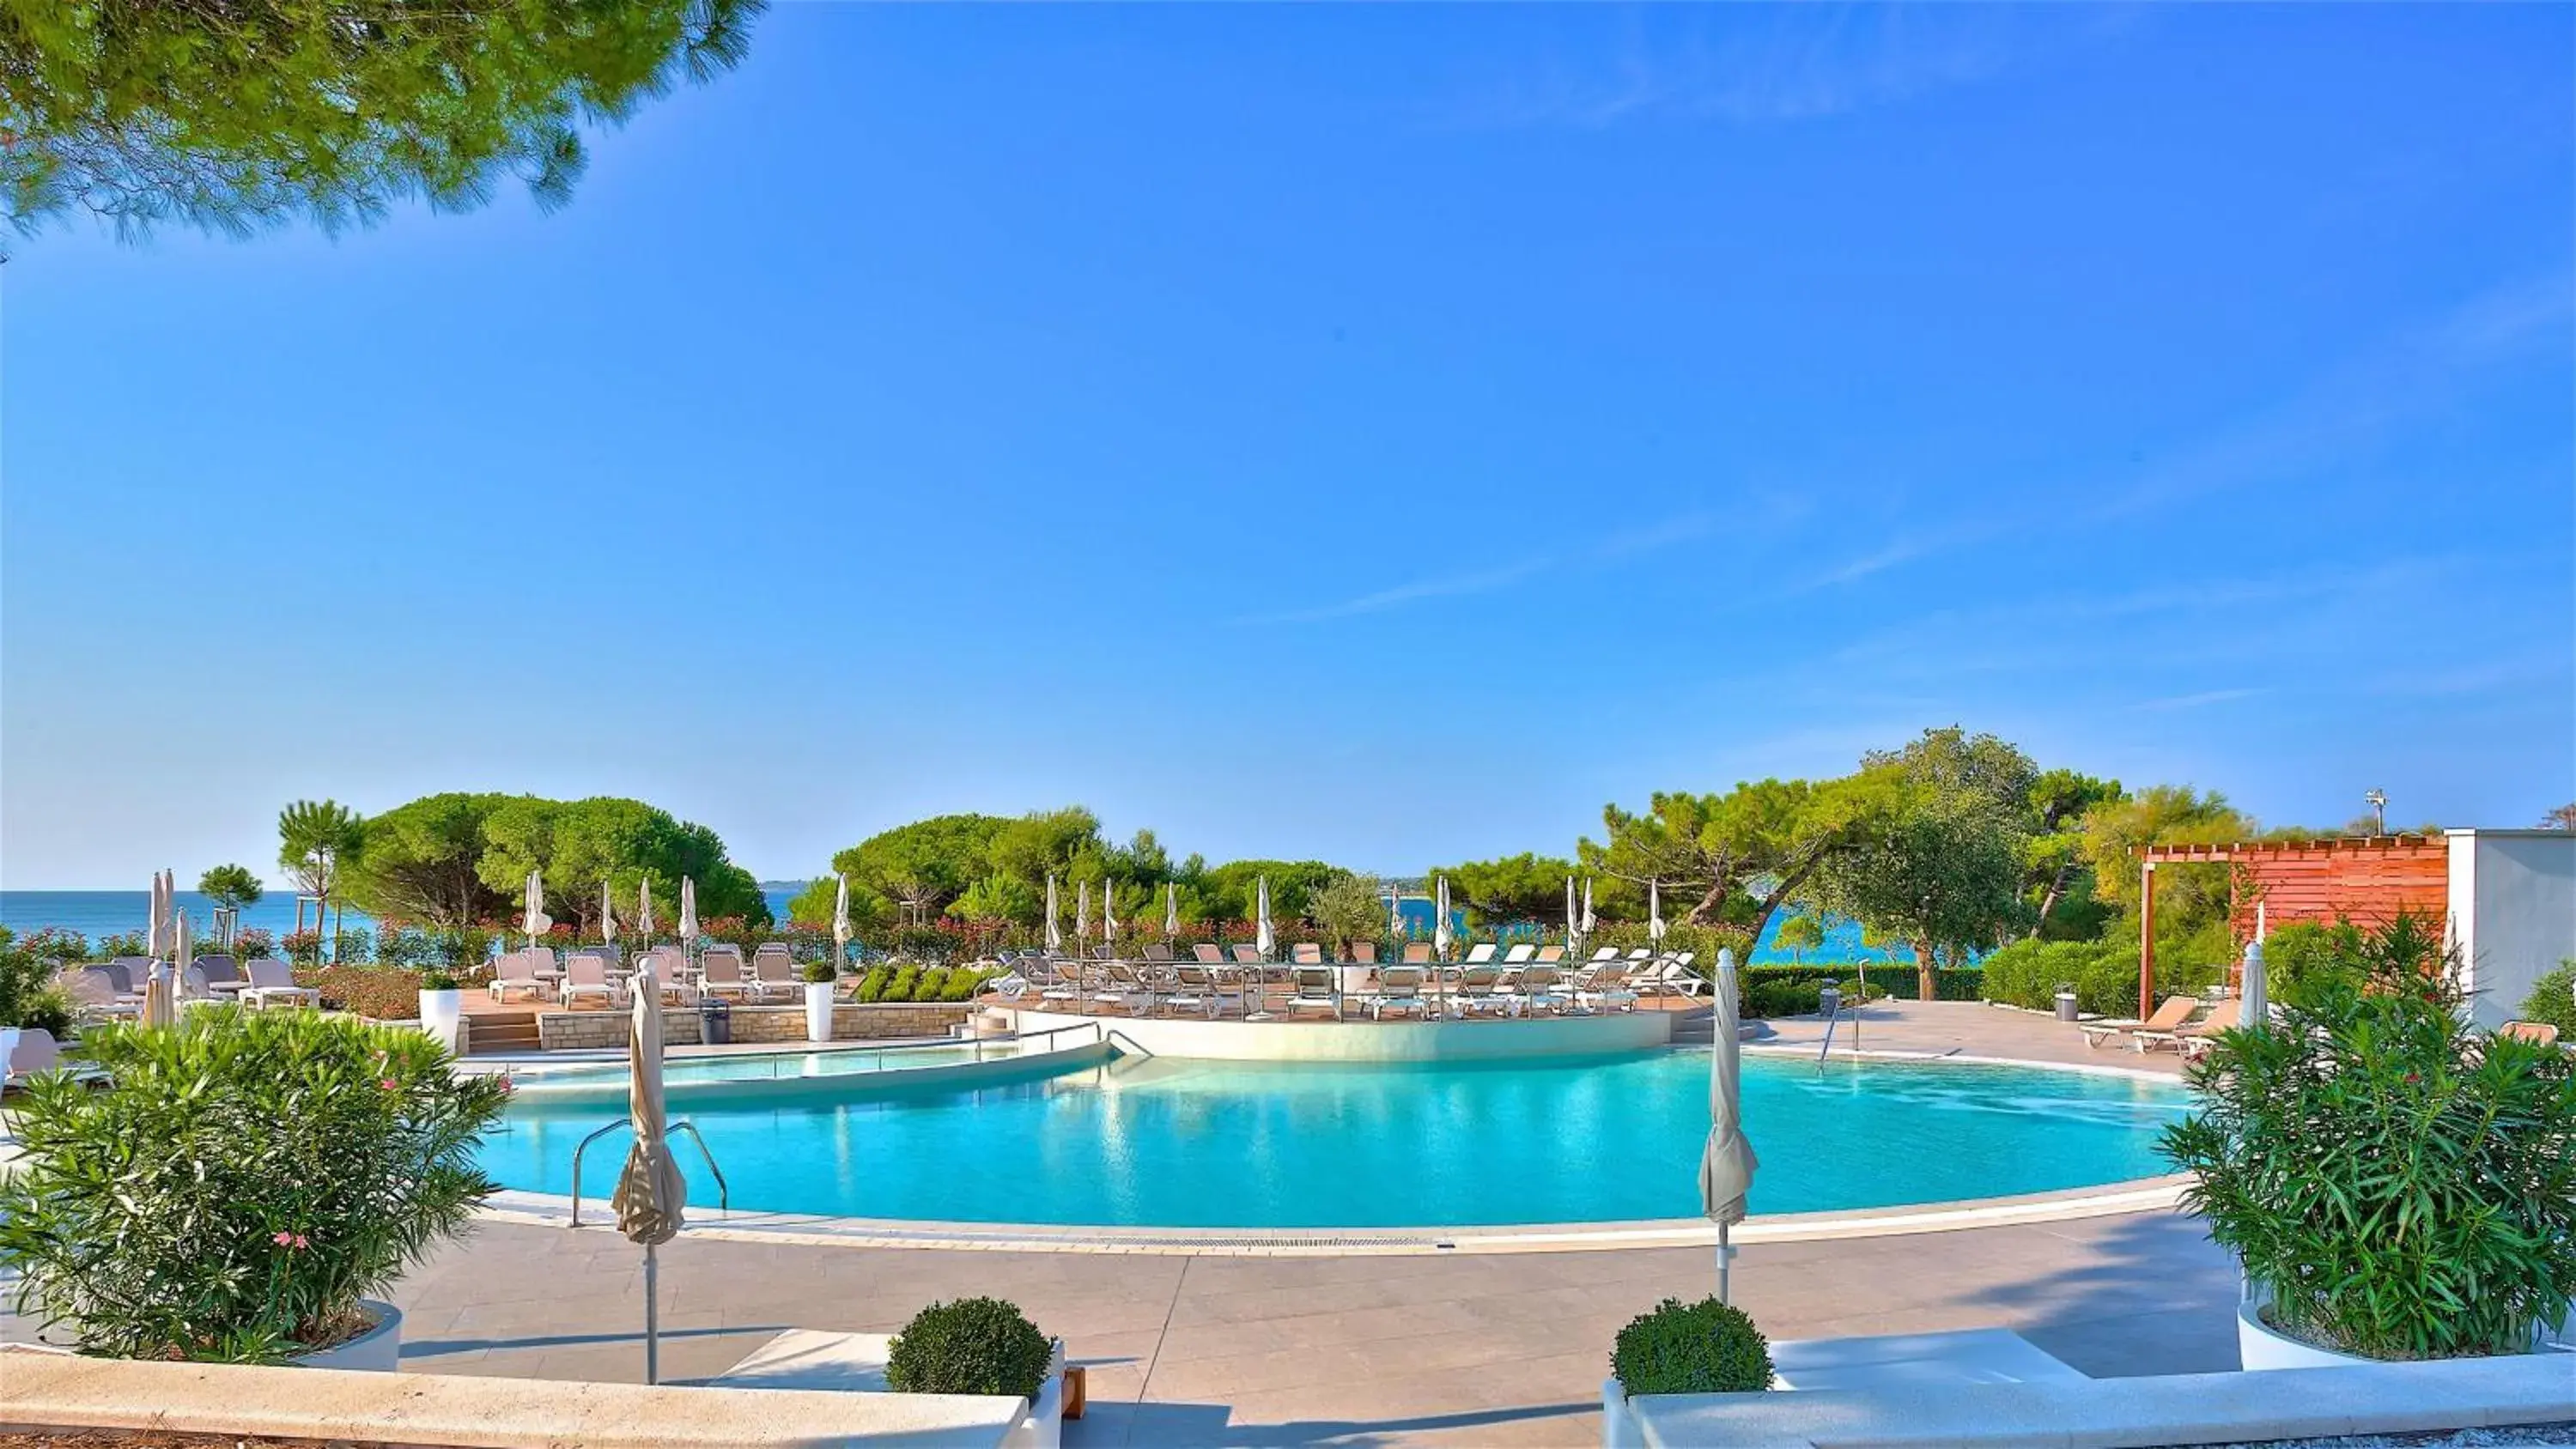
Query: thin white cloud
x=1651 y=538
x=2201 y=700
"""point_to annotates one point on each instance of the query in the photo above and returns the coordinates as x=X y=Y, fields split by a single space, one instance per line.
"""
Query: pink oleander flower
x=283 y=1238
x=389 y=1084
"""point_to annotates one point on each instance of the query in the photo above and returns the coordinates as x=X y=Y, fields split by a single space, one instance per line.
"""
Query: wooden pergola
x=2364 y=879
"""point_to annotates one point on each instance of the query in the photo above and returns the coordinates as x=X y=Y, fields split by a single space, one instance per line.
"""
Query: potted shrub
x=982 y=1346
x=818 y=1001
x=243 y=1188
x=1706 y=1347
x=2397 y=1183
x=442 y=1008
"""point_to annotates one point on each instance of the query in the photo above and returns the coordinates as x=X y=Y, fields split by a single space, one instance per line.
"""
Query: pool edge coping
x=2131 y=1195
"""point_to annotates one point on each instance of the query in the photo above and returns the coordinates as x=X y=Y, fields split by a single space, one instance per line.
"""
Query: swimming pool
x=1164 y=1142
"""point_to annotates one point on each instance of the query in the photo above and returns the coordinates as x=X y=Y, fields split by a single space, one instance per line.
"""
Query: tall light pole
x=2377 y=800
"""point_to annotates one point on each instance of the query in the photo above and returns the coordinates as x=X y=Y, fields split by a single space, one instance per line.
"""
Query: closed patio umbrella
x=1054 y=935
x=840 y=923
x=1108 y=913
x=1394 y=911
x=1171 y=911
x=1655 y=911
x=652 y=1198
x=1082 y=912
x=688 y=911
x=2254 y=1004
x=1440 y=937
x=161 y=988
x=607 y=915
x=1573 y=921
x=1587 y=905
x=1726 y=1163
x=1264 y=939
x=534 y=919
x=644 y=910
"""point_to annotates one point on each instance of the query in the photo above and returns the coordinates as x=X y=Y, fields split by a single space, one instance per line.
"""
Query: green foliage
x=462 y=948
x=458 y=860
x=1350 y=908
x=437 y=981
x=2104 y=974
x=378 y=993
x=316 y=840
x=2402 y=1184
x=231 y=886
x=27 y=965
x=240 y=1183
x=963 y=985
x=819 y=972
x=2553 y=1000
x=1230 y=891
x=227 y=118
x=905 y=979
x=971 y=1346
x=913 y=870
x=1523 y=887
x=1801 y=932
x=2305 y=959
x=999 y=896
x=1706 y=1347
x=872 y=987
x=1941 y=874
x=2186 y=895
x=930 y=983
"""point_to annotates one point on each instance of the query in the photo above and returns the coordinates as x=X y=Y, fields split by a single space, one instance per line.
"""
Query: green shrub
x=2553 y=1000
x=971 y=1346
x=905 y=979
x=819 y=972
x=1706 y=1347
x=2103 y=973
x=240 y=1183
x=2303 y=959
x=2403 y=1184
x=933 y=981
x=872 y=987
x=26 y=966
x=437 y=981
x=963 y=985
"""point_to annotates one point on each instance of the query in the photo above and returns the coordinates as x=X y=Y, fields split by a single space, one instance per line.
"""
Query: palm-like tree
x=315 y=839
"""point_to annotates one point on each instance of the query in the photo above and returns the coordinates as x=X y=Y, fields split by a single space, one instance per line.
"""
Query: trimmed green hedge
x=1886 y=978
x=2104 y=974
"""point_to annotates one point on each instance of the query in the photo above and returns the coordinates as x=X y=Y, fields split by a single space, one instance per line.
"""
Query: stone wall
x=851 y=1021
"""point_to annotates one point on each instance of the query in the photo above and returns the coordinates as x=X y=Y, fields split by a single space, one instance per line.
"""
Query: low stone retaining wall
x=851 y=1021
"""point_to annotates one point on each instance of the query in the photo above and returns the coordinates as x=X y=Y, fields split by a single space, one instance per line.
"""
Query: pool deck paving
x=1472 y=1348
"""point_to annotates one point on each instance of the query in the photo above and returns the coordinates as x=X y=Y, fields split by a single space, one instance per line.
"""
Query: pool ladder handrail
x=1830 y=1022
x=724 y=1194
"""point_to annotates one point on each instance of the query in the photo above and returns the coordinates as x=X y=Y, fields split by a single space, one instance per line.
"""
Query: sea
x=107 y=913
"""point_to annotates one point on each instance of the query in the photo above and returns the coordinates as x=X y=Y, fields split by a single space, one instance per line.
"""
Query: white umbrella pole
x=1724 y=1252
x=653 y=1318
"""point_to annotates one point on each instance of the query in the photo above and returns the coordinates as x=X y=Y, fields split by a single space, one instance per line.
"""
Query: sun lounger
x=1246 y=955
x=1604 y=987
x=773 y=972
x=1417 y=953
x=1207 y=953
x=1541 y=989
x=1480 y=953
x=271 y=982
x=1306 y=953
x=720 y=973
x=1364 y=953
x=587 y=975
x=2171 y=1012
x=2190 y=1037
x=223 y=974
x=1521 y=954
x=1478 y=988
x=1549 y=955
x=1399 y=988
x=1120 y=985
x=1158 y=953
x=36 y=1052
x=1318 y=988
x=523 y=970
x=95 y=997
x=2538 y=1033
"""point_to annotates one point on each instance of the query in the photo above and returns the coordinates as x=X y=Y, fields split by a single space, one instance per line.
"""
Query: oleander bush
x=2553 y=1000
x=971 y=1346
x=379 y=993
x=2401 y=1183
x=240 y=1182
x=1706 y=1347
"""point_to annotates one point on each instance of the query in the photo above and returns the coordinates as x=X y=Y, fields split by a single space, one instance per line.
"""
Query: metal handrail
x=724 y=1193
x=1830 y=1022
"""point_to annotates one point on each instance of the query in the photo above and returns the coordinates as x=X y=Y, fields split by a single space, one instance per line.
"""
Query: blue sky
x=1381 y=434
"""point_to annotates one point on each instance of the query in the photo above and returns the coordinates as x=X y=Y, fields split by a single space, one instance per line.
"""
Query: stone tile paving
x=1478 y=1349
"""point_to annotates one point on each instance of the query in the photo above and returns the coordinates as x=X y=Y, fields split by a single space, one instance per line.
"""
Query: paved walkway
x=1484 y=1349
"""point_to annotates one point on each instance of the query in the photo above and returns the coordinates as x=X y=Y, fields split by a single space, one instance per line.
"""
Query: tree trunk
x=2048 y=901
x=1924 y=988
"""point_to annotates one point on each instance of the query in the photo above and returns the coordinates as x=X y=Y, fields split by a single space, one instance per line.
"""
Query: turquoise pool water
x=1168 y=1143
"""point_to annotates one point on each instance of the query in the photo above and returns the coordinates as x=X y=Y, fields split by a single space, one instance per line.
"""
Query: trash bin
x=1829 y=1001
x=715 y=1022
x=2065 y=1002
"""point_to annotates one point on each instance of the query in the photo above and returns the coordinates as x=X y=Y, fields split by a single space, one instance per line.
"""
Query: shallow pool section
x=1171 y=1143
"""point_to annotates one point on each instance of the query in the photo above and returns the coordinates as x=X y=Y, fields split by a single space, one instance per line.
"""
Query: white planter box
x=379 y=1349
x=818 y=1010
x=1619 y=1427
x=441 y=1013
x=2261 y=1346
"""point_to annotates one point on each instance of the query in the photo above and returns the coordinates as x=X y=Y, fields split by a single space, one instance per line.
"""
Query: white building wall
x=2513 y=911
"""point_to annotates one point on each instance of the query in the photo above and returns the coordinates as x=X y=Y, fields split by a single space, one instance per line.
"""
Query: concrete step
x=501 y=1031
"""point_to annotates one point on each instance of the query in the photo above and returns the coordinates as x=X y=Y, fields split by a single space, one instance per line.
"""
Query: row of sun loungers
x=115 y=989
x=597 y=971
x=1528 y=980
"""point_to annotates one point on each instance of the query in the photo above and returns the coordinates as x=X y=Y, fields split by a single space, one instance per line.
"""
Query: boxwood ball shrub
x=818 y=972
x=971 y=1346
x=239 y=1183
x=2402 y=1183
x=1706 y=1347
